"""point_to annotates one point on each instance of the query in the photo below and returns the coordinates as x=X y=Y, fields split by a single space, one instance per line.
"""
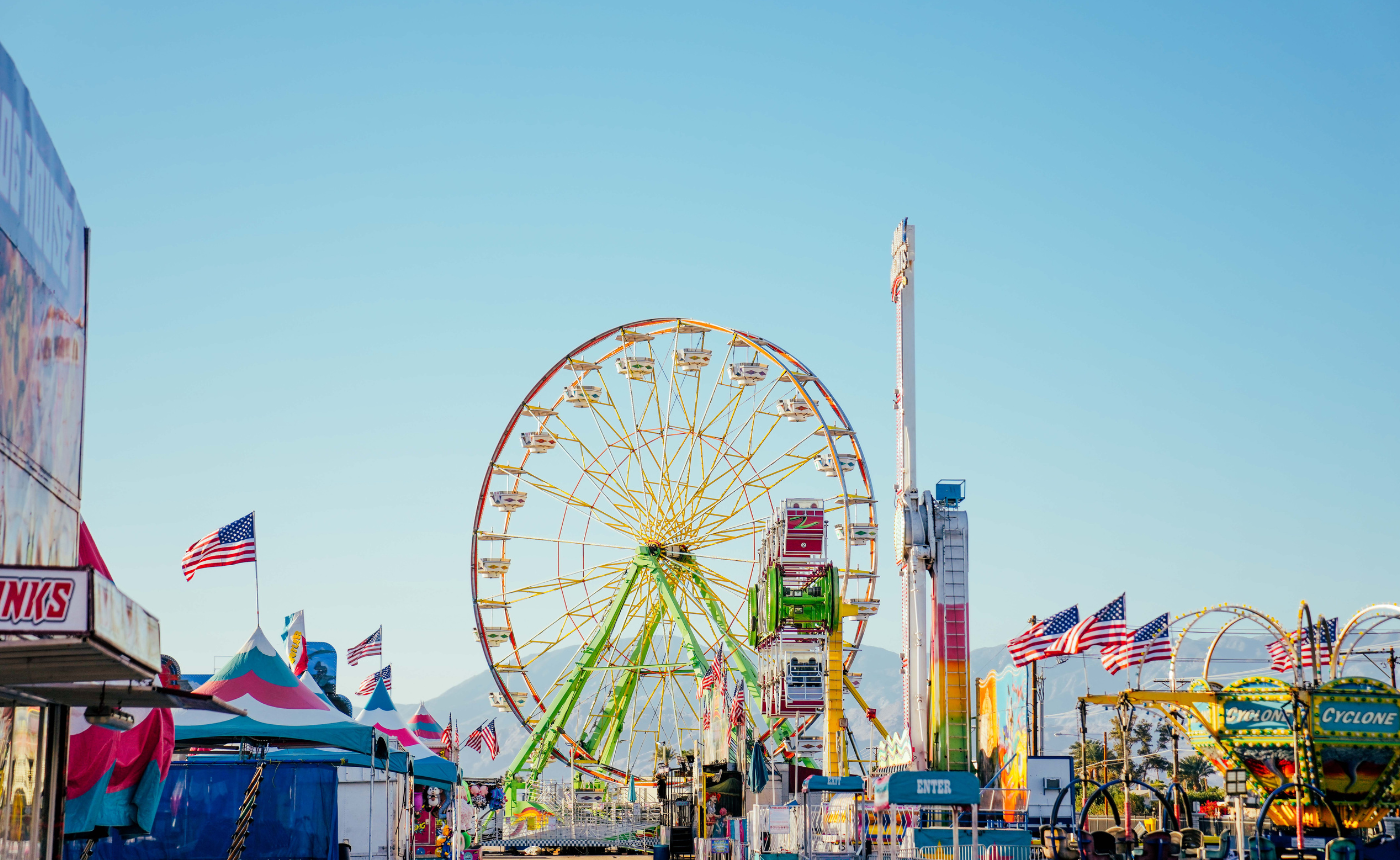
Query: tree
x=1090 y=754
x=1165 y=733
x=1157 y=763
x=1194 y=770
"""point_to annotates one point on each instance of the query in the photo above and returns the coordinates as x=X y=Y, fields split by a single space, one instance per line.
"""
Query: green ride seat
x=1342 y=849
x=1261 y=849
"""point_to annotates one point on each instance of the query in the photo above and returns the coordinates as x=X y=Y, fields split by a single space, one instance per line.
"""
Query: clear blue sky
x=334 y=244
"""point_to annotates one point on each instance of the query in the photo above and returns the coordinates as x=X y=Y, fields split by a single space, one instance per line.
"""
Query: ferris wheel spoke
x=636 y=458
x=734 y=464
x=553 y=586
x=696 y=426
x=764 y=480
x=720 y=617
x=608 y=518
x=603 y=484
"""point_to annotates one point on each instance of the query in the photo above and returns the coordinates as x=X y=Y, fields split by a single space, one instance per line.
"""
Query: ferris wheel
x=620 y=525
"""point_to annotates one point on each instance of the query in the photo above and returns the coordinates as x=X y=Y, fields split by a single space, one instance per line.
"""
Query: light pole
x=1236 y=786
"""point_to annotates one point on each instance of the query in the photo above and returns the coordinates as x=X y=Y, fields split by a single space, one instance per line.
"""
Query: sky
x=335 y=244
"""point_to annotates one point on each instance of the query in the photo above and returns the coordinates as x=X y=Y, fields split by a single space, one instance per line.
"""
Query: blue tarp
x=296 y=817
x=398 y=760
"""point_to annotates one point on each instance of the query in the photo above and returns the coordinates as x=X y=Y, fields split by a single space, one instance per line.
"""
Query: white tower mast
x=910 y=551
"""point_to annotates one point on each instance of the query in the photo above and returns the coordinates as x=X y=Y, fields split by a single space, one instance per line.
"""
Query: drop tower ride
x=930 y=544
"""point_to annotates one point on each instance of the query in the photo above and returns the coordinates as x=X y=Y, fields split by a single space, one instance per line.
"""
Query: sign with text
x=927 y=788
x=45 y=600
x=1368 y=717
x=1245 y=716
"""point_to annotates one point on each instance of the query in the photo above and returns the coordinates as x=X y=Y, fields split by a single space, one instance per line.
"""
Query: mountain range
x=1065 y=679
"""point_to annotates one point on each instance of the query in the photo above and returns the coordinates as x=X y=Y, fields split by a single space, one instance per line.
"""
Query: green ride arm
x=746 y=667
x=541 y=741
x=608 y=727
x=673 y=608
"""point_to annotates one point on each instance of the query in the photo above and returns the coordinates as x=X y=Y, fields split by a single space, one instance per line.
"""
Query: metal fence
x=983 y=852
x=1207 y=826
x=585 y=815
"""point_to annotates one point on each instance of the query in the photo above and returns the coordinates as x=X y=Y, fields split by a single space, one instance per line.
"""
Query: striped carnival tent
x=428 y=766
x=115 y=778
x=310 y=683
x=281 y=710
x=427 y=729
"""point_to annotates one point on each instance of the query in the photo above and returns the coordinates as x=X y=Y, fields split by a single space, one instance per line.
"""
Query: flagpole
x=257 y=589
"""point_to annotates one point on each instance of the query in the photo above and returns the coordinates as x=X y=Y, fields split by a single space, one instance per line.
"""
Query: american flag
x=1150 y=643
x=485 y=734
x=1281 y=650
x=382 y=675
x=372 y=645
x=1107 y=627
x=736 y=710
x=1031 y=645
x=1326 y=630
x=716 y=674
x=232 y=544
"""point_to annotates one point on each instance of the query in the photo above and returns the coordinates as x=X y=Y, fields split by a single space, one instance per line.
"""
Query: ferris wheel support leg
x=540 y=744
x=736 y=649
x=673 y=608
x=608 y=726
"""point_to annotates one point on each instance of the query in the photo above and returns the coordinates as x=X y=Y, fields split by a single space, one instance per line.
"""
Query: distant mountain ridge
x=1065 y=680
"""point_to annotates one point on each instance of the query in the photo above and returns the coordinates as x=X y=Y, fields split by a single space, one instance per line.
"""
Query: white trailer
x=375 y=813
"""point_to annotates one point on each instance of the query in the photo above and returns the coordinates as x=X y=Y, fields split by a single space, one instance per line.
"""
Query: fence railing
x=1207 y=826
x=983 y=852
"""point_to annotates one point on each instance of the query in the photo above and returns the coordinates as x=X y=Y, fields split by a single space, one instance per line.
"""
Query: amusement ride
x=636 y=502
x=677 y=507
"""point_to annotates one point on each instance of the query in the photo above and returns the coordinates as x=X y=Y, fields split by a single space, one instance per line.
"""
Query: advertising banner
x=1002 y=738
x=320 y=662
x=43 y=352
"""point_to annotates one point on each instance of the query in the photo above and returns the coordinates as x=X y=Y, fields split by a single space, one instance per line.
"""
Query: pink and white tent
x=382 y=715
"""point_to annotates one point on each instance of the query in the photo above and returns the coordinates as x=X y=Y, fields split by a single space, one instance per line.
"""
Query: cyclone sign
x=1242 y=715
x=1369 y=717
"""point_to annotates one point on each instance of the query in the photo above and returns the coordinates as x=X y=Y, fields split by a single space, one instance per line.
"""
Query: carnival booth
x=310 y=771
x=918 y=811
x=433 y=806
x=429 y=768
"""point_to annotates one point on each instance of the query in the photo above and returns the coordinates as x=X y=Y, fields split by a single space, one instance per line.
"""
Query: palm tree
x=1194 y=770
x=1090 y=755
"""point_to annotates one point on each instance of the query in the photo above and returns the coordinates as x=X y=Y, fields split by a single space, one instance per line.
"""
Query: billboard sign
x=43 y=353
x=320 y=662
